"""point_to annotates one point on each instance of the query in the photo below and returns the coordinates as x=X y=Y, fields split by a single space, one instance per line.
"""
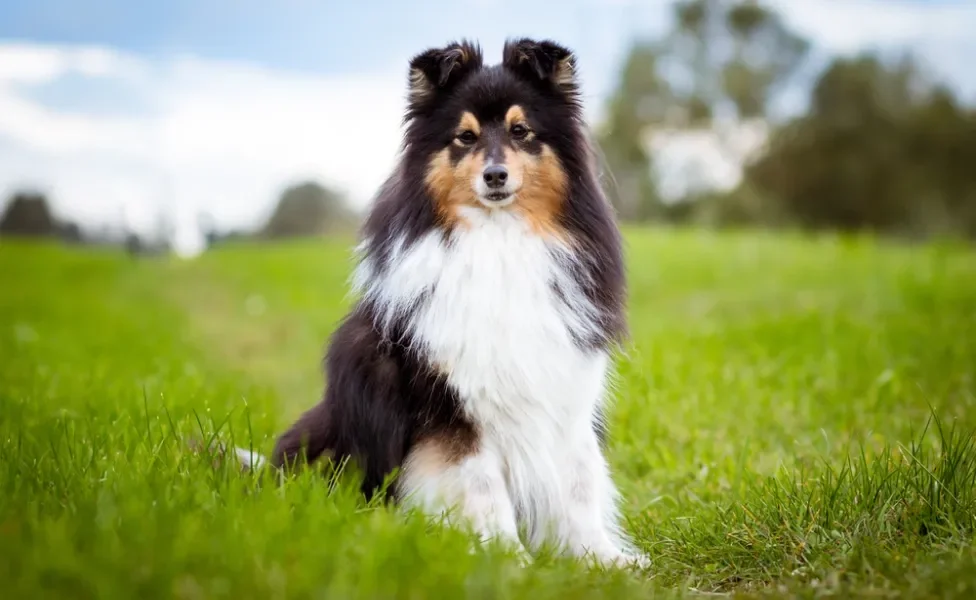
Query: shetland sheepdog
x=476 y=362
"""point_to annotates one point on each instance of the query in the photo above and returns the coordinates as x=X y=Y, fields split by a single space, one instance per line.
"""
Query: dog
x=476 y=362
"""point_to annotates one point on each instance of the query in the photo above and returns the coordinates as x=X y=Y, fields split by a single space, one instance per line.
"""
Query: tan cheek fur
x=450 y=185
x=543 y=189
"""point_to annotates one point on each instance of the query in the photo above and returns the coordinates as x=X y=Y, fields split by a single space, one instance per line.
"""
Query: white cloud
x=55 y=132
x=221 y=136
x=39 y=64
x=849 y=25
x=938 y=33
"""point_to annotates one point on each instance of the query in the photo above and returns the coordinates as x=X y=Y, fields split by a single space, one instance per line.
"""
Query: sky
x=119 y=109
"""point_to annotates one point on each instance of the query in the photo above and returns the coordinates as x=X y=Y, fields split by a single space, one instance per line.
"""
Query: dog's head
x=498 y=137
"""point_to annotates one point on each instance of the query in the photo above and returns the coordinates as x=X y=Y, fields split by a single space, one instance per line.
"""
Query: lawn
x=795 y=417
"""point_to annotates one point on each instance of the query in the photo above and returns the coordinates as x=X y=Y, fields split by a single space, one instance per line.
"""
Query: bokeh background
x=174 y=126
x=180 y=184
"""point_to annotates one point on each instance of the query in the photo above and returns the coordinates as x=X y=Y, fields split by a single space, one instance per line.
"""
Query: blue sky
x=322 y=37
x=115 y=106
x=308 y=37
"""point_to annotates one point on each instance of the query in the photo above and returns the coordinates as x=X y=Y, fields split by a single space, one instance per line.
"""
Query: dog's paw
x=641 y=561
x=522 y=556
x=623 y=560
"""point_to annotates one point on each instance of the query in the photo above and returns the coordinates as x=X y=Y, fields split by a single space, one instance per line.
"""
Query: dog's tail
x=246 y=460
x=249 y=460
x=308 y=438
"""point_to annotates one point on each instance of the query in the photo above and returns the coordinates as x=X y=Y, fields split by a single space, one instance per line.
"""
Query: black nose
x=495 y=176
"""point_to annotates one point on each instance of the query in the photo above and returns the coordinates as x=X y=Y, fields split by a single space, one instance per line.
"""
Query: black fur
x=381 y=397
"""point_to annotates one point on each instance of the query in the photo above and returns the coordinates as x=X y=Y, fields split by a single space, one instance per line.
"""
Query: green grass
x=795 y=418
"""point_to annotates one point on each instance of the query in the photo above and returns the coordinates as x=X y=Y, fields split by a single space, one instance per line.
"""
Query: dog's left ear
x=544 y=62
x=437 y=70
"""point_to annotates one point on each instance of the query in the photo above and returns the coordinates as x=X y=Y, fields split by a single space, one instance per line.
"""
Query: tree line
x=305 y=209
x=881 y=145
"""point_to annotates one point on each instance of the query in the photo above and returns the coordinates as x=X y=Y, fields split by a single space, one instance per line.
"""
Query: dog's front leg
x=467 y=490
x=586 y=517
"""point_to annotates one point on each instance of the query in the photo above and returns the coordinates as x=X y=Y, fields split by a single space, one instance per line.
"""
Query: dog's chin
x=496 y=199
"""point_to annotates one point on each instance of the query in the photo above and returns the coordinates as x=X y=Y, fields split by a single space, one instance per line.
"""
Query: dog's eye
x=519 y=131
x=467 y=137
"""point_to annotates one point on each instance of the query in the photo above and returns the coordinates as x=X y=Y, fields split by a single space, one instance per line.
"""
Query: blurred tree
x=28 y=213
x=637 y=102
x=941 y=144
x=307 y=209
x=721 y=64
x=164 y=234
x=882 y=148
x=728 y=59
x=133 y=244
x=70 y=232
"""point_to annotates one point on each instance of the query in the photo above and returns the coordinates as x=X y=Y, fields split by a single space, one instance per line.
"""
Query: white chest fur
x=491 y=319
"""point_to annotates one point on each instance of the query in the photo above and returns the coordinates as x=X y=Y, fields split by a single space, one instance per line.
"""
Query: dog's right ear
x=543 y=62
x=438 y=69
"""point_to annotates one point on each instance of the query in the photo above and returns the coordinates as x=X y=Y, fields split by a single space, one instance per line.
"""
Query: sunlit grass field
x=795 y=417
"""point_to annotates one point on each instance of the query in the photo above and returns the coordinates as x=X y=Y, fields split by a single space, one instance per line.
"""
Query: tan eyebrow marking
x=469 y=122
x=514 y=115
